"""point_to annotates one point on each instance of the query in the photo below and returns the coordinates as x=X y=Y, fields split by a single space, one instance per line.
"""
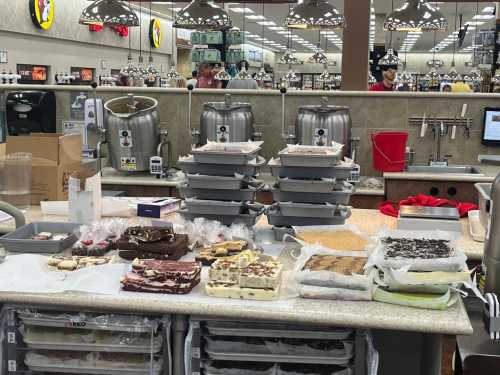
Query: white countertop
x=111 y=176
x=377 y=315
x=487 y=174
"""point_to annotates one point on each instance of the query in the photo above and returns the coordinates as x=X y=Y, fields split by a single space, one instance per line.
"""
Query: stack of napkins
x=247 y=275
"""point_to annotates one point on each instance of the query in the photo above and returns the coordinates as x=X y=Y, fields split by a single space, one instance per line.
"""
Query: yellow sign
x=42 y=13
x=155 y=33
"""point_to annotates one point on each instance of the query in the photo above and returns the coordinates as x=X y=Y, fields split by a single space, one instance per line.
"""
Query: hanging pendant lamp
x=153 y=72
x=474 y=74
x=290 y=76
x=326 y=77
x=243 y=74
x=453 y=74
x=289 y=58
x=371 y=78
x=389 y=59
x=173 y=74
x=130 y=70
x=416 y=15
x=109 y=13
x=405 y=77
x=204 y=16
x=314 y=15
x=262 y=75
x=318 y=58
x=222 y=74
x=496 y=78
x=433 y=75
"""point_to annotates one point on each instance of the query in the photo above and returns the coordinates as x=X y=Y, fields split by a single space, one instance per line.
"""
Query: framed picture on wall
x=83 y=76
x=4 y=57
x=32 y=74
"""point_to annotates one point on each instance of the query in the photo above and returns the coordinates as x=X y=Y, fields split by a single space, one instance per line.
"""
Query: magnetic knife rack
x=447 y=121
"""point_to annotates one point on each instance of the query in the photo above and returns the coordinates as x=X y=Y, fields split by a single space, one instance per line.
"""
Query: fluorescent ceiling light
x=241 y=10
x=483 y=17
x=266 y=23
x=475 y=23
x=276 y=28
x=255 y=17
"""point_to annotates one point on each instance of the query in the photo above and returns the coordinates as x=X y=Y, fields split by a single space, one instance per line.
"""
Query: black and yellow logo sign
x=42 y=13
x=155 y=33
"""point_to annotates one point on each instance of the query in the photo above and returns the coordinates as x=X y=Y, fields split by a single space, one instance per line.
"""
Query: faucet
x=438 y=130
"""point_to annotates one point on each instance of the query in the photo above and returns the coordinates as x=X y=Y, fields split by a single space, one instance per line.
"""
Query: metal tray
x=202 y=155
x=187 y=191
x=279 y=220
x=122 y=348
x=247 y=219
x=209 y=207
x=94 y=370
x=199 y=181
x=308 y=186
x=305 y=210
x=309 y=160
x=278 y=331
x=280 y=232
x=189 y=165
x=278 y=358
x=20 y=240
x=340 y=196
x=339 y=172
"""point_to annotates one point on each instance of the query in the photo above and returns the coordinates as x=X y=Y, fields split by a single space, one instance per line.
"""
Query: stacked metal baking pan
x=221 y=183
x=311 y=187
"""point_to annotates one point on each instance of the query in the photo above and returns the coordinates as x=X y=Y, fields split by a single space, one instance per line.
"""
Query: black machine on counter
x=30 y=112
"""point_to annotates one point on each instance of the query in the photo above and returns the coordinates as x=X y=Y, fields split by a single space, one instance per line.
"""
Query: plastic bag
x=454 y=263
x=334 y=280
x=319 y=292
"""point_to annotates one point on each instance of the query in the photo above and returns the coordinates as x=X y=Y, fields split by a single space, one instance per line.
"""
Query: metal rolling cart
x=214 y=346
x=43 y=341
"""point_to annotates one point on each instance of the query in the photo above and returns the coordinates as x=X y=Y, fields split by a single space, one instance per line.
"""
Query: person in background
x=242 y=84
x=193 y=80
x=460 y=86
x=389 y=73
x=446 y=88
x=206 y=77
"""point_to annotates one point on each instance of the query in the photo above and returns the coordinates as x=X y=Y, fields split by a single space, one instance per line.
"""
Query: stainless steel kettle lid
x=130 y=105
x=227 y=105
x=324 y=107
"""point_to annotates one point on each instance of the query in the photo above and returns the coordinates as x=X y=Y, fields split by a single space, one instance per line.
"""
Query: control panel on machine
x=321 y=137
x=223 y=133
x=156 y=165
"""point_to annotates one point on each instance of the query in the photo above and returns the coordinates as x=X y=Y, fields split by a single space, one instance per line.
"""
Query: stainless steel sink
x=458 y=169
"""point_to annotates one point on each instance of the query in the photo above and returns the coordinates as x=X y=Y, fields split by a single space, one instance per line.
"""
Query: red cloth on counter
x=392 y=209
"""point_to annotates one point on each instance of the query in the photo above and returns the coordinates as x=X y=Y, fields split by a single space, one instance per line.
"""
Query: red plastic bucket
x=389 y=150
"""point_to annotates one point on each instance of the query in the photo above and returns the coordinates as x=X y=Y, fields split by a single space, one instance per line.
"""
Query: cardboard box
x=50 y=182
x=47 y=148
x=55 y=157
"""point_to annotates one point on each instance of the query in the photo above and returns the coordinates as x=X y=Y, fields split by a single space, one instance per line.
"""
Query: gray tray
x=306 y=210
x=117 y=348
x=189 y=165
x=279 y=220
x=308 y=186
x=340 y=196
x=187 y=191
x=308 y=160
x=247 y=219
x=280 y=232
x=338 y=172
x=94 y=370
x=224 y=157
x=20 y=240
x=209 y=207
x=200 y=181
x=278 y=358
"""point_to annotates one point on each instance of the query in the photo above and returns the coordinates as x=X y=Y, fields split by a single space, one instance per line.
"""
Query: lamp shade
x=262 y=75
x=389 y=59
x=314 y=15
x=202 y=15
x=416 y=15
x=453 y=74
x=109 y=13
x=318 y=58
x=433 y=76
x=223 y=75
x=289 y=58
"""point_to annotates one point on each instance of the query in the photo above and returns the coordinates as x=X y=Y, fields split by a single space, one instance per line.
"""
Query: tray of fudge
x=210 y=253
x=247 y=275
x=247 y=194
x=162 y=276
x=74 y=262
x=151 y=242
x=93 y=363
x=323 y=185
x=189 y=166
x=341 y=171
x=311 y=156
x=74 y=339
x=41 y=237
x=236 y=153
